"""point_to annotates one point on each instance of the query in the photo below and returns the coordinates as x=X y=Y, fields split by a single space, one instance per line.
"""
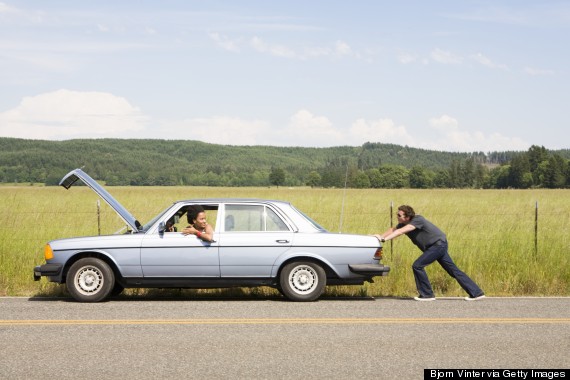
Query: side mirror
x=161 y=228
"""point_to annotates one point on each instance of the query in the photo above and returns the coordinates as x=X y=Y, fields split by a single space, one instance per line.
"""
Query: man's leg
x=422 y=281
x=465 y=281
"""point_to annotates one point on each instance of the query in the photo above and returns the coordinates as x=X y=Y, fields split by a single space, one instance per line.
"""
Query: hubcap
x=89 y=280
x=303 y=279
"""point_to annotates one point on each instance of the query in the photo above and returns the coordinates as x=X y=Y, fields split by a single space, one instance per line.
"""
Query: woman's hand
x=189 y=231
x=207 y=235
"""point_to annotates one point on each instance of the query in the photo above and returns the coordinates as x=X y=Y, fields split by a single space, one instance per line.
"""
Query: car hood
x=72 y=177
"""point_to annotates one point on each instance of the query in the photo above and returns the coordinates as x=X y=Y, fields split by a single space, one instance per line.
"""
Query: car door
x=251 y=238
x=171 y=254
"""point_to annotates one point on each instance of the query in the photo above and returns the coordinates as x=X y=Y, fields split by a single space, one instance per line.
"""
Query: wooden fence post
x=391 y=225
x=536 y=230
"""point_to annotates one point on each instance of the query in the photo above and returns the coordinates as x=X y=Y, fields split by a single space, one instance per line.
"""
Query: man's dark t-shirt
x=425 y=234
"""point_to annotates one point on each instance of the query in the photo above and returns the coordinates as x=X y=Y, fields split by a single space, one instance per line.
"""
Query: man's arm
x=386 y=233
x=392 y=233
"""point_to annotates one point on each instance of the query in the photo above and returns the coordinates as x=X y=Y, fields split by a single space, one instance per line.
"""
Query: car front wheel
x=303 y=281
x=90 y=280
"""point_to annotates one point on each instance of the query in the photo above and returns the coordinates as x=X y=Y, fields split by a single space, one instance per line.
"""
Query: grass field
x=491 y=233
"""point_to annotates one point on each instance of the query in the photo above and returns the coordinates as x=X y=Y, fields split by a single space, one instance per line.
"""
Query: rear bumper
x=49 y=270
x=371 y=270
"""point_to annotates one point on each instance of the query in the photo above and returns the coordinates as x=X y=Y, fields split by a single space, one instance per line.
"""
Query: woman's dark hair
x=408 y=211
x=192 y=213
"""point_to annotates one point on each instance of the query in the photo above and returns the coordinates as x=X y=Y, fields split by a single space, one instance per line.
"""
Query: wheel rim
x=89 y=280
x=303 y=279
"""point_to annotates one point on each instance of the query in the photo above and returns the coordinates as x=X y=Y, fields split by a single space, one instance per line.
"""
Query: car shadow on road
x=170 y=298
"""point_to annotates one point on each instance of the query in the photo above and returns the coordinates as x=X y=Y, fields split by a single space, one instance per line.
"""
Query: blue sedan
x=246 y=243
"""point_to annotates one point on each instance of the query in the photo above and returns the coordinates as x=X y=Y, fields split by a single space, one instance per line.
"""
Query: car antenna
x=343 y=196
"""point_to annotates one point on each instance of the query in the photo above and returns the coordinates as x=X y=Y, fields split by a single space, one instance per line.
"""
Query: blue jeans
x=438 y=252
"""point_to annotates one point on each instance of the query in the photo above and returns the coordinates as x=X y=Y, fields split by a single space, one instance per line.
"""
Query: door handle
x=282 y=241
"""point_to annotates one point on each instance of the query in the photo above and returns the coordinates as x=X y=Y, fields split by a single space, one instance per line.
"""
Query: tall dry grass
x=491 y=232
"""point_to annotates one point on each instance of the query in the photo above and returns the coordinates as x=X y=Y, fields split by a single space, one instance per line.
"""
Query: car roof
x=232 y=200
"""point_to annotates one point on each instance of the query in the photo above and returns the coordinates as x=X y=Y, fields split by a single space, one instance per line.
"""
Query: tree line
x=536 y=168
x=119 y=162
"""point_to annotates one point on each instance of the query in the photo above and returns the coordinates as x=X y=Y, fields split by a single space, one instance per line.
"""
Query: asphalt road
x=275 y=339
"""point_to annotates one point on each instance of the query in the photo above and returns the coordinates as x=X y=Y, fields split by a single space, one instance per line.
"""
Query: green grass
x=491 y=233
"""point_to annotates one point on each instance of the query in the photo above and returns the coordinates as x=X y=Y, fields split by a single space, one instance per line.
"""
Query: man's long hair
x=408 y=211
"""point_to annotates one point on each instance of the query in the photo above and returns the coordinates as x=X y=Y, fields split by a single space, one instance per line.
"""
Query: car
x=256 y=242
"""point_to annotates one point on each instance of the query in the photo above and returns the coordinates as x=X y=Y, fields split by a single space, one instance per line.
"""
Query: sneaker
x=424 y=299
x=475 y=298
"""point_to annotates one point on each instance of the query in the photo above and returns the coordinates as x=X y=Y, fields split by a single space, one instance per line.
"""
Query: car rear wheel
x=303 y=281
x=90 y=280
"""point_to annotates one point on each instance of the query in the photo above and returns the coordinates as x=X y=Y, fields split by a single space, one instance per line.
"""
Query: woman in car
x=198 y=224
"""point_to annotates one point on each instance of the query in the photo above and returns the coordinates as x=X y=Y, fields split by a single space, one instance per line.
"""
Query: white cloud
x=453 y=138
x=446 y=135
x=339 y=50
x=382 y=130
x=225 y=42
x=445 y=57
x=449 y=58
x=238 y=44
x=103 y=28
x=485 y=61
x=5 y=8
x=65 y=114
x=221 y=130
x=537 y=72
x=273 y=49
x=406 y=58
x=303 y=129
x=342 y=48
x=306 y=129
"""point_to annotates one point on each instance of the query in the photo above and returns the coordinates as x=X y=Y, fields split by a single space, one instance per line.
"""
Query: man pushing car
x=433 y=243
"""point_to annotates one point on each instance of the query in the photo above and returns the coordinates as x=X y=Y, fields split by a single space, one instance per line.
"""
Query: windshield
x=153 y=220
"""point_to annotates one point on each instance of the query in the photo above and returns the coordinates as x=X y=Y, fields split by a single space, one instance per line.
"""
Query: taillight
x=378 y=254
x=48 y=252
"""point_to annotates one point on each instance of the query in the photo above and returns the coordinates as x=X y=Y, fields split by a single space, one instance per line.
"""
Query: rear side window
x=253 y=218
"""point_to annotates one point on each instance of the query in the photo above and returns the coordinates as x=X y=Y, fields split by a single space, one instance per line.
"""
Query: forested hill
x=133 y=161
x=182 y=162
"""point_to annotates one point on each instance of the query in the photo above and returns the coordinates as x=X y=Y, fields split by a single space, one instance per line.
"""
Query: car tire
x=302 y=281
x=90 y=280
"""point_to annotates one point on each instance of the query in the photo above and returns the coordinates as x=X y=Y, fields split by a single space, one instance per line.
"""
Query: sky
x=446 y=75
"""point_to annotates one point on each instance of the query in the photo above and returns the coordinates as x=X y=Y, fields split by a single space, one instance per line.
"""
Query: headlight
x=48 y=252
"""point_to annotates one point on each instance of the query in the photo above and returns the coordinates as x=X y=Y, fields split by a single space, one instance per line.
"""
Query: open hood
x=72 y=177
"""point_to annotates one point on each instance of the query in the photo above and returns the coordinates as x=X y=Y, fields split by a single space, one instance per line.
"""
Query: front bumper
x=371 y=270
x=49 y=270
